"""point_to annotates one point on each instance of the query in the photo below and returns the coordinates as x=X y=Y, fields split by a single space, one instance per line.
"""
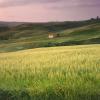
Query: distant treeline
x=4 y=28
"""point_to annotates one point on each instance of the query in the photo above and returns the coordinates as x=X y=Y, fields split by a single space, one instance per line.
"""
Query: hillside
x=11 y=24
x=57 y=73
x=35 y=72
x=34 y=35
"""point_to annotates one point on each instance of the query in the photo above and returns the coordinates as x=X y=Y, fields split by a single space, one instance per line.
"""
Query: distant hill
x=5 y=26
x=18 y=35
x=10 y=24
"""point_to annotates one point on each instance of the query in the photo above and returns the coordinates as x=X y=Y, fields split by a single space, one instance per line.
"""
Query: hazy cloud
x=8 y=3
x=52 y=3
x=75 y=3
x=48 y=10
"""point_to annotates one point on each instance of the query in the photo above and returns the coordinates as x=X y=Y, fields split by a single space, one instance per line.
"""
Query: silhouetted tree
x=97 y=18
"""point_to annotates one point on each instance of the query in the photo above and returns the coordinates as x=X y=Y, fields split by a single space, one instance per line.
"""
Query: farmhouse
x=52 y=35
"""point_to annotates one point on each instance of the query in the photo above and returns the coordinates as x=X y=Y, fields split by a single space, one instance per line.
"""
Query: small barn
x=51 y=35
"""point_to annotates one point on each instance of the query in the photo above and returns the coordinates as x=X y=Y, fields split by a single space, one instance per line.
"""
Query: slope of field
x=35 y=36
x=56 y=73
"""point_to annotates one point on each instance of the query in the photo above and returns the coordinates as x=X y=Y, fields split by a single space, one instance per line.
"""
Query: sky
x=48 y=10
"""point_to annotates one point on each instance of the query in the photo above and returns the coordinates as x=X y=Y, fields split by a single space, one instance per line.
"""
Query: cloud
x=9 y=3
x=52 y=3
x=48 y=10
x=73 y=4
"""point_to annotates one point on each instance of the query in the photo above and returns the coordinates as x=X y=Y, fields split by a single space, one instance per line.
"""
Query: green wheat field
x=55 y=73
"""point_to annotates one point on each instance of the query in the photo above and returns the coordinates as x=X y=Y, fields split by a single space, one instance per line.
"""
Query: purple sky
x=48 y=10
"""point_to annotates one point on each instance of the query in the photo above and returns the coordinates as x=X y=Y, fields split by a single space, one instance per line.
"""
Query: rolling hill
x=66 y=72
x=20 y=36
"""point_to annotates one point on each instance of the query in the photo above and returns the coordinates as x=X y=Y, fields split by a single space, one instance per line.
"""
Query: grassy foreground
x=57 y=73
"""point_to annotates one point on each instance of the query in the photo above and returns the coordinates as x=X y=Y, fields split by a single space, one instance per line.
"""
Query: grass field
x=27 y=36
x=56 y=73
